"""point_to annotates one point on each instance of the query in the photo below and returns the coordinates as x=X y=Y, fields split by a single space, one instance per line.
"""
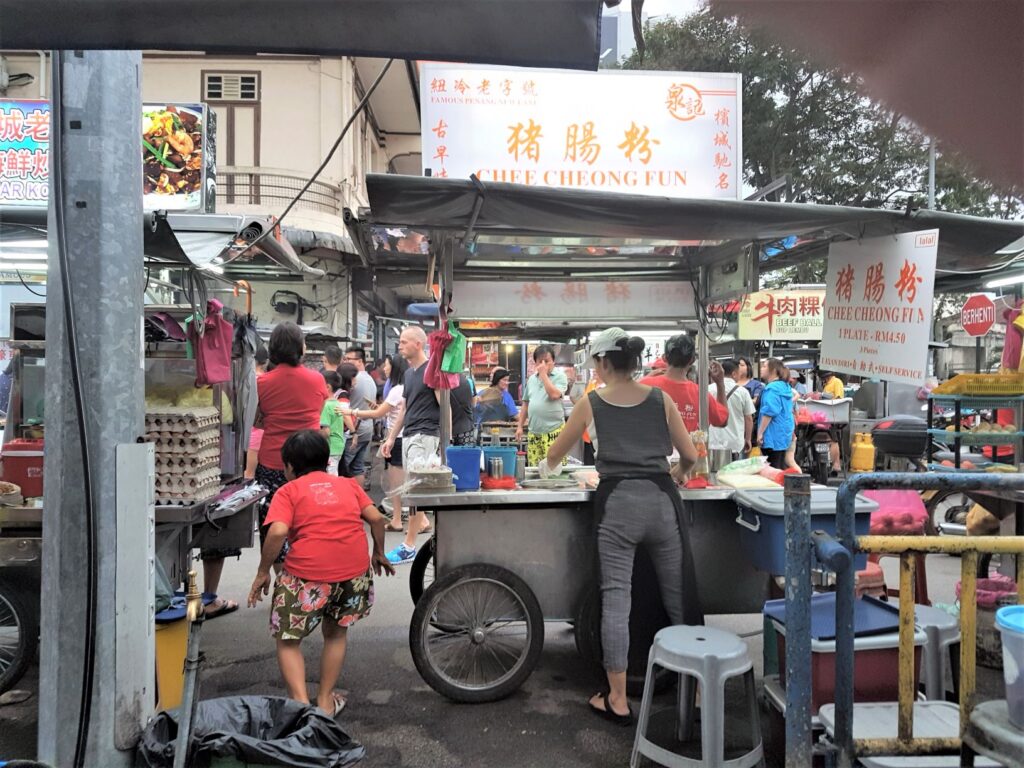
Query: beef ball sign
x=978 y=315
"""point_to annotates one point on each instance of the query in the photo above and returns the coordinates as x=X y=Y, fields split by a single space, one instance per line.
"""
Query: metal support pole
x=98 y=130
x=444 y=271
x=702 y=369
x=798 y=620
x=931 y=174
x=907 y=689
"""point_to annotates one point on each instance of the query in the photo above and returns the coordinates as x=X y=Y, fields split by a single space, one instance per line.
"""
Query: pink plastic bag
x=994 y=591
x=899 y=512
x=212 y=347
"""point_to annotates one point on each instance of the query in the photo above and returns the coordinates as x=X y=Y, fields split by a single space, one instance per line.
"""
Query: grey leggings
x=637 y=512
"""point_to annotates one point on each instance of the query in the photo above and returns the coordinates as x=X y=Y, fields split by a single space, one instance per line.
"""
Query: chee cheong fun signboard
x=673 y=133
x=878 y=306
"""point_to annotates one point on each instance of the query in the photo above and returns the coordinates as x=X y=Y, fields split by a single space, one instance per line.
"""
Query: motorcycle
x=814 y=450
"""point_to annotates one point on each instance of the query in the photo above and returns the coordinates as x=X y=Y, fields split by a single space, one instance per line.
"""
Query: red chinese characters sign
x=878 y=307
x=24 y=153
x=775 y=315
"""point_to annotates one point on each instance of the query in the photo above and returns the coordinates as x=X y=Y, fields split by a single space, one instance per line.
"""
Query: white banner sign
x=878 y=306
x=608 y=303
x=773 y=315
x=665 y=133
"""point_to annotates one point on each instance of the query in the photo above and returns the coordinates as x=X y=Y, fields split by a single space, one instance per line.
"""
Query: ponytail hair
x=775 y=366
x=626 y=359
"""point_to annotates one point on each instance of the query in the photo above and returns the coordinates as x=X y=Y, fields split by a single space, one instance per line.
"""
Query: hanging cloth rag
x=433 y=376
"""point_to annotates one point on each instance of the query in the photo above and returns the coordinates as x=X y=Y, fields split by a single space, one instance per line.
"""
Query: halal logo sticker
x=684 y=102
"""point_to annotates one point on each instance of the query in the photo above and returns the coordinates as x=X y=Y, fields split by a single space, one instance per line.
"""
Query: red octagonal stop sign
x=978 y=315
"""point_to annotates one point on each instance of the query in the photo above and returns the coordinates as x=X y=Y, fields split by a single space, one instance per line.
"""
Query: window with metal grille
x=231 y=86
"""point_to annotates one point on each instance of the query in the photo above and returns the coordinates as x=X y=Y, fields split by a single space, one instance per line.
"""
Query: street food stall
x=200 y=500
x=559 y=262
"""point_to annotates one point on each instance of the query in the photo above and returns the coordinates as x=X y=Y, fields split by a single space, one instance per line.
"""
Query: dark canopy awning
x=580 y=230
x=536 y=33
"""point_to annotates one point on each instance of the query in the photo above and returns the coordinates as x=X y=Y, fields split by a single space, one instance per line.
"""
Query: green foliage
x=812 y=124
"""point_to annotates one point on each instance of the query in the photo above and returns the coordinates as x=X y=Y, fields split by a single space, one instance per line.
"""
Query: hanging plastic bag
x=212 y=346
x=455 y=353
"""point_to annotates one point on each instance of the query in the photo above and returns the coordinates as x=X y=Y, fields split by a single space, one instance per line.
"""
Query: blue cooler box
x=762 y=524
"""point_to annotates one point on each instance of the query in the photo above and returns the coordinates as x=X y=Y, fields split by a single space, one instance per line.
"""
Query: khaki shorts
x=417 y=450
x=299 y=605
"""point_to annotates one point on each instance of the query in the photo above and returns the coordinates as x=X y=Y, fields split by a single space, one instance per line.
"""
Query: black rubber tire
x=16 y=612
x=952 y=514
x=418 y=570
x=421 y=624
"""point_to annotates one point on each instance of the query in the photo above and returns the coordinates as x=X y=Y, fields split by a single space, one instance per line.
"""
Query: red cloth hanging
x=212 y=345
x=433 y=376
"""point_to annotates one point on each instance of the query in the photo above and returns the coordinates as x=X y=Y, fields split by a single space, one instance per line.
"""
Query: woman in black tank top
x=634 y=429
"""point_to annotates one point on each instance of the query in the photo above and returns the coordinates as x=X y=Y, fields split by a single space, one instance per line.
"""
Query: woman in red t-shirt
x=291 y=399
x=327 y=577
x=680 y=354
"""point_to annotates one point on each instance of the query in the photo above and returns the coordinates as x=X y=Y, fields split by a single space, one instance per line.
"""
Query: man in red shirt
x=327 y=573
x=680 y=354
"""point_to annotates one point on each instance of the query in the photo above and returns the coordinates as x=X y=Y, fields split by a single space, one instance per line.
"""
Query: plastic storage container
x=23 y=466
x=835 y=411
x=876 y=656
x=507 y=456
x=762 y=524
x=464 y=461
x=901 y=436
x=1010 y=620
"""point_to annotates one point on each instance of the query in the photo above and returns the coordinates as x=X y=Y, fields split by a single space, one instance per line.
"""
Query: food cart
x=224 y=519
x=559 y=262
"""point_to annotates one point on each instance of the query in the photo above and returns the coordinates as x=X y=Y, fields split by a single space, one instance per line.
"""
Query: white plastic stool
x=709 y=656
x=942 y=631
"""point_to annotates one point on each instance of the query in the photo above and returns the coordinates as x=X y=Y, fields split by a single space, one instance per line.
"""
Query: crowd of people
x=311 y=450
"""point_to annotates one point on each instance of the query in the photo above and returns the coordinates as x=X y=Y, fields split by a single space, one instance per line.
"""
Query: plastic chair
x=943 y=633
x=710 y=657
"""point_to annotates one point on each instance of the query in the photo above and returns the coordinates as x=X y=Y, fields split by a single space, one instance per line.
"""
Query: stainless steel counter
x=526 y=496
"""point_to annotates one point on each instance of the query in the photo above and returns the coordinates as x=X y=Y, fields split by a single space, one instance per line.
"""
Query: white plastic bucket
x=1010 y=620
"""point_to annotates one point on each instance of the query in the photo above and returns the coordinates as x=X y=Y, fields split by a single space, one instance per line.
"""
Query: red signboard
x=978 y=315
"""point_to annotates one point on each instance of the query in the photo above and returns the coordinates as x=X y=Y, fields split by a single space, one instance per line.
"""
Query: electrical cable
x=34 y=293
x=330 y=154
x=57 y=185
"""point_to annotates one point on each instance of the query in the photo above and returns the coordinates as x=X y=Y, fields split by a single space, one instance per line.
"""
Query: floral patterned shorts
x=298 y=605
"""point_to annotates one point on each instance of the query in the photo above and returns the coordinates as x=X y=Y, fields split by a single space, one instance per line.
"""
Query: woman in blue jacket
x=775 y=425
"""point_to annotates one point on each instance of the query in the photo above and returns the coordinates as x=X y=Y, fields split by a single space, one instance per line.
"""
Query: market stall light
x=1002 y=282
x=35 y=242
x=22 y=255
x=28 y=266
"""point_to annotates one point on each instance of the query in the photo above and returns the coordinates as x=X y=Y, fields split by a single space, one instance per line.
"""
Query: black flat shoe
x=609 y=714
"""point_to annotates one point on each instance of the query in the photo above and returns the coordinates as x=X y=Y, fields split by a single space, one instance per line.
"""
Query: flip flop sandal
x=610 y=715
x=226 y=607
x=339 y=704
x=393 y=529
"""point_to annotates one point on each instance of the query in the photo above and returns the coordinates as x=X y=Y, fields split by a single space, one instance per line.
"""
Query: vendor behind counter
x=495 y=403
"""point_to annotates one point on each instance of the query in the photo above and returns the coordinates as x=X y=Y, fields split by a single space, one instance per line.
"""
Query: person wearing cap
x=831 y=386
x=495 y=403
x=799 y=388
x=679 y=355
x=542 y=414
x=634 y=428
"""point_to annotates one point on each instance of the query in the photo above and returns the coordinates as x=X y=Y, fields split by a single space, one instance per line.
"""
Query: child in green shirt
x=334 y=422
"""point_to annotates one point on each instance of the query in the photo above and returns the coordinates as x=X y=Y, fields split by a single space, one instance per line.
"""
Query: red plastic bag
x=212 y=346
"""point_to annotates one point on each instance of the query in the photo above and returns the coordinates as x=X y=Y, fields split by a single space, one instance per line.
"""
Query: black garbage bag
x=260 y=730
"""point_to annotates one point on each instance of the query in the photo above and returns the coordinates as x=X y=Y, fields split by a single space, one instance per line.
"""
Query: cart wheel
x=19 y=634
x=476 y=634
x=421 y=572
x=947 y=507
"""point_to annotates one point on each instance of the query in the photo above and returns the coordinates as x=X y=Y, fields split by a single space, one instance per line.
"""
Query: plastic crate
x=835 y=411
x=876 y=667
x=762 y=524
x=982 y=384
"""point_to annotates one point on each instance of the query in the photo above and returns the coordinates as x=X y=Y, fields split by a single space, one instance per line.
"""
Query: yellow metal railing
x=908 y=547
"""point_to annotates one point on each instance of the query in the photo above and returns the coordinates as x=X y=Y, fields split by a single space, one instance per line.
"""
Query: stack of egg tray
x=187 y=442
